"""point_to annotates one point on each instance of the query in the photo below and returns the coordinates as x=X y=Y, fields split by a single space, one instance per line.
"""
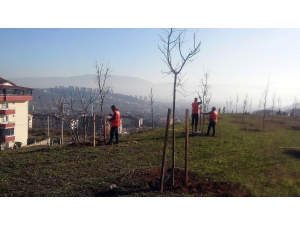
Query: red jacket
x=195 y=107
x=213 y=115
x=115 y=120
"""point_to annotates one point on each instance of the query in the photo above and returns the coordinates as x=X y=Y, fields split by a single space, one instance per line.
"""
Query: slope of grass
x=239 y=153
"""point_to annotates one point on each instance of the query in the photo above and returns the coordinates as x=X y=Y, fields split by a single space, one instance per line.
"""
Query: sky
x=241 y=54
x=239 y=60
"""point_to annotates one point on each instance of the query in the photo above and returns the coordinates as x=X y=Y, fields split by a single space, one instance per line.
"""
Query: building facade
x=13 y=113
x=132 y=121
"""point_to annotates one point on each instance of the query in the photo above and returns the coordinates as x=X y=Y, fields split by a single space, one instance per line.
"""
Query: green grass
x=239 y=153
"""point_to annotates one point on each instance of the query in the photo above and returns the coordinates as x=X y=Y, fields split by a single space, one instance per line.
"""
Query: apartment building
x=13 y=113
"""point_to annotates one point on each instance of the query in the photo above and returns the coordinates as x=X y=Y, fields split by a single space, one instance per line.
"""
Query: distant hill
x=120 y=84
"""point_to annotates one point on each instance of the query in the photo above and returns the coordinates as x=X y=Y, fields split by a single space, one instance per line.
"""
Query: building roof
x=2 y=81
x=6 y=84
x=132 y=117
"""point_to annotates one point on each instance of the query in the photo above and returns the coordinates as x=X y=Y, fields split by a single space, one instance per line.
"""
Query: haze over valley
x=140 y=88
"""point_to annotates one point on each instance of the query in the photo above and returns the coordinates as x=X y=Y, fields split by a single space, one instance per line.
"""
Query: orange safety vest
x=116 y=122
x=195 y=108
x=213 y=116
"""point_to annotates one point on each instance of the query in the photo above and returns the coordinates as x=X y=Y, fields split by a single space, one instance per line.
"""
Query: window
x=2 y=133
x=28 y=92
x=10 y=92
x=7 y=132
x=19 y=92
x=10 y=131
x=5 y=119
x=5 y=105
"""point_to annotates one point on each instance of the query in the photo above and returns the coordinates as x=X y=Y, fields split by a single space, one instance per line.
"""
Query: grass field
x=260 y=163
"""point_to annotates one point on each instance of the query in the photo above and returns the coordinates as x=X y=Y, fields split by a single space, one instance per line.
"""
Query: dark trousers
x=114 y=132
x=212 y=125
x=195 y=118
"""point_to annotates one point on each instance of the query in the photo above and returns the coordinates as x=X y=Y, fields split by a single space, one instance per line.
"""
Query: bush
x=41 y=134
x=19 y=144
x=30 y=141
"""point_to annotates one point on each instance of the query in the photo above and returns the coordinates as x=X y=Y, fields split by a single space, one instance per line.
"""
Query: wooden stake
x=162 y=175
x=94 y=132
x=104 y=127
x=62 y=123
x=186 y=143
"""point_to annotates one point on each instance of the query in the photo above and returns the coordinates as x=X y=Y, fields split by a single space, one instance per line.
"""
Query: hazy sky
x=239 y=60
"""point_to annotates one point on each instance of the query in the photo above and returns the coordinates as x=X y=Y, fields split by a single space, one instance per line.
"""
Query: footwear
x=109 y=143
x=117 y=143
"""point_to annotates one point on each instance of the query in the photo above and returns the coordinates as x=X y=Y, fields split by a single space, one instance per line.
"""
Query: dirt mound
x=150 y=180
x=199 y=187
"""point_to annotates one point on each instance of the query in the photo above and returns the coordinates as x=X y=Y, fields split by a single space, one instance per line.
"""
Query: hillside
x=120 y=84
x=239 y=161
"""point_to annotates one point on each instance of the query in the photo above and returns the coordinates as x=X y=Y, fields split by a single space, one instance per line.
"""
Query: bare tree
x=250 y=105
x=175 y=40
x=236 y=102
x=86 y=99
x=151 y=103
x=100 y=78
x=207 y=101
x=245 y=102
x=259 y=104
x=279 y=105
x=227 y=106
x=57 y=107
x=273 y=103
x=230 y=103
x=204 y=89
x=296 y=103
x=295 y=107
x=264 y=102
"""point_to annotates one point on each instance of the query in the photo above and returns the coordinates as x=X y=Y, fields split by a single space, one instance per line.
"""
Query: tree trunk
x=85 y=125
x=173 y=131
x=152 y=118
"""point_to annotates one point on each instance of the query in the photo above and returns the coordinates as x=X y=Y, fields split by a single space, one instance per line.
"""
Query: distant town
x=135 y=110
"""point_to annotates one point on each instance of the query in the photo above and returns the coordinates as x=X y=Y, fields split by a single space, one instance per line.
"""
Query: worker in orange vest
x=196 y=108
x=115 y=122
x=213 y=119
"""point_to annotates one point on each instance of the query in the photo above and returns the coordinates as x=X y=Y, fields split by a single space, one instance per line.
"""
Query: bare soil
x=202 y=187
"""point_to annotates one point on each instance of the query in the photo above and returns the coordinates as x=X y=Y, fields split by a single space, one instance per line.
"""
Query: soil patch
x=150 y=179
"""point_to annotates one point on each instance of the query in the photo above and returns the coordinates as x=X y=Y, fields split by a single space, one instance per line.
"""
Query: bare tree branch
x=173 y=42
x=85 y=100
x=100 y=78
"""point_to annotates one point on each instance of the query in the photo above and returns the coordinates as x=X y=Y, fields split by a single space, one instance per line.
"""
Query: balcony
x=18 y=94
x=11 y=98
x=7 y=112
x=7 y=124
x=7 y=139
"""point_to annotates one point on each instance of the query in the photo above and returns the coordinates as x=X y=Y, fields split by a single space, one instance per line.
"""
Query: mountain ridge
x=127 y=85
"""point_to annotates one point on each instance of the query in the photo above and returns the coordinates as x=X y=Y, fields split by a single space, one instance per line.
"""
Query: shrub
x=19 y=144
x=30 y=141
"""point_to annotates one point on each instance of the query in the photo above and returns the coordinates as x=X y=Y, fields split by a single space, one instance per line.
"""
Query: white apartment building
x=13 y=113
